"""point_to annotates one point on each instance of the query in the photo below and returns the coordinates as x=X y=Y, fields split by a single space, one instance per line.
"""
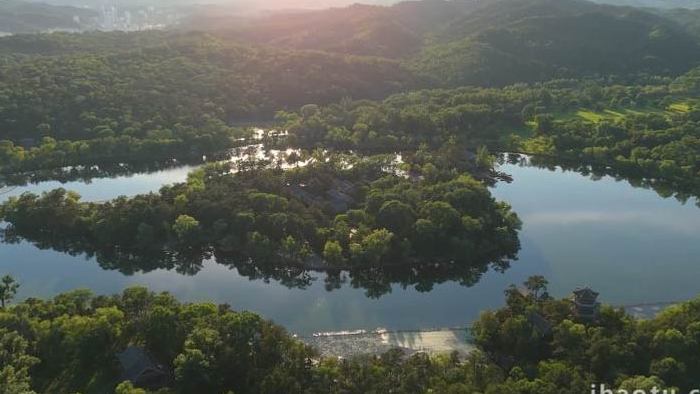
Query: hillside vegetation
x=69 y=343
x=68 y=99
x=647 y=133
x=488 y=43
x=161 y=101
x=376 y=172
x=26 y=17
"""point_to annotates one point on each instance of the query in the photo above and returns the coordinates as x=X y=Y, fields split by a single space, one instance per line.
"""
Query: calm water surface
x=629 y=244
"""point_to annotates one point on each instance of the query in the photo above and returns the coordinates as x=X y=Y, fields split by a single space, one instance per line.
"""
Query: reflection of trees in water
x=108 y=170
x=255 y=153
x=377 y=280
x=254 y=222
x=88 y=173
x=664 y=188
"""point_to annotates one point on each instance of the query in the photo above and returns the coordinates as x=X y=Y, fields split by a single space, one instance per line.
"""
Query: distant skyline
x=134 y=15
x=261 y=5
x=252 y=4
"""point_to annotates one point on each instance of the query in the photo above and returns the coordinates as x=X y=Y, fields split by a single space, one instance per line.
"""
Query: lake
x=627 y=243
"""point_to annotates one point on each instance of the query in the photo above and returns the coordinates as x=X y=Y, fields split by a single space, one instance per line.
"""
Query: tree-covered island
x=339 y=213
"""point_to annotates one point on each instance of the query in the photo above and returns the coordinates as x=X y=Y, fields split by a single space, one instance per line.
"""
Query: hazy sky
x=253 y=4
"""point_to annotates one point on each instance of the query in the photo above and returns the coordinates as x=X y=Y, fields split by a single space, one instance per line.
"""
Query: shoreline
x=352 y=343
x=348 y=344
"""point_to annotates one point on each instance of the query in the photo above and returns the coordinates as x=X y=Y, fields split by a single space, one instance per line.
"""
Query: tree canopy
x=68 y=344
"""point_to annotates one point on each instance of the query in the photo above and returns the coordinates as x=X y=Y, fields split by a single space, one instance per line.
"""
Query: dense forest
x=490 y=43
x=647 y=133
x=100 y=98
x=173 y=100
x=388 y=123
x=106 y=97
x=643 y=131
x=70 y=343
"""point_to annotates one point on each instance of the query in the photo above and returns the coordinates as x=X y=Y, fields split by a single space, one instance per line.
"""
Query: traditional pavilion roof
x=586 y=293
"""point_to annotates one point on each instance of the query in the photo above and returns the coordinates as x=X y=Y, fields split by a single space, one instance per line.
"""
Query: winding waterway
x=627 y=243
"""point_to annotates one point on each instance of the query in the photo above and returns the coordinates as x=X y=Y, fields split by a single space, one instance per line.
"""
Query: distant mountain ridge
x=530 y=40
x=361 y=29
x=256 y=4
x=24 y=17
x=663 y=4
x=479 y=42
x=485 y=42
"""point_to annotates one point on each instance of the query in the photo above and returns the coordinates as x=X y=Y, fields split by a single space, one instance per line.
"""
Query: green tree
x=185 y=227
x=128 y=388
x=15 y=363
x=377 y=244
x=670 y=370
x=484 y=159
x=333 y=253
x=442 y=215
x=396 y=217
x=309 y=110
x=196 y=367
x=536 y=285
x=8 y=290
x=643 y=383
x=290 y=247
x=545 y=124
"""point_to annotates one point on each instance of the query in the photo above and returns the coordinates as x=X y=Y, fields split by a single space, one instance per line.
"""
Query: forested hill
x=395 y=31
x=158 y=101
x=247 y=80
x=25 y=17
x=688 y=19
x=493 y=42
x=666 y=4
x=451 y=43
x=93 y=42
x=513 y=41
x=152 y=95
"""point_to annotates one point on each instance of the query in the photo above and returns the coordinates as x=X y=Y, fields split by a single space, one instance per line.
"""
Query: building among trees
x=586 y=305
